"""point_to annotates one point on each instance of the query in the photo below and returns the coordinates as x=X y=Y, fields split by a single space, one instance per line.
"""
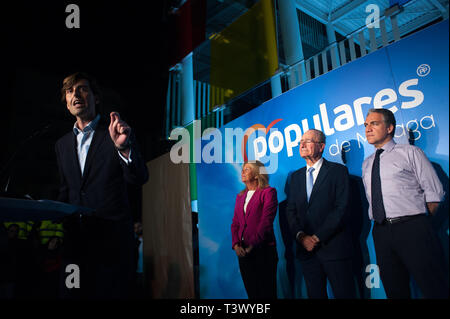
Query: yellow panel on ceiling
x=244 y=54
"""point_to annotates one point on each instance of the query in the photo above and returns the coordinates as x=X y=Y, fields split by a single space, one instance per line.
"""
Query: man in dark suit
x=316 y=210
x=95 y=162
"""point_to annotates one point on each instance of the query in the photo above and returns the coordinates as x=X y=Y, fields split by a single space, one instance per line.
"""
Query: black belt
x=398 y=219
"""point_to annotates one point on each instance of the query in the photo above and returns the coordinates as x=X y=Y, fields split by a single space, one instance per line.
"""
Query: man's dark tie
x=378 y=212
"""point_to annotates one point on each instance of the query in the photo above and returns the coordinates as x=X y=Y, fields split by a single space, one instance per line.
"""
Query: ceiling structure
x=350 y=15
x=346 y=16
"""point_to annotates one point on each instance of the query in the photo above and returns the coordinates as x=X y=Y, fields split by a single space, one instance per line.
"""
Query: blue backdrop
x=410 y=77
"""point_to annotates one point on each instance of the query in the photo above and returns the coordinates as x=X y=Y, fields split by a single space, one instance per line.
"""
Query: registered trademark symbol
x=423 y=70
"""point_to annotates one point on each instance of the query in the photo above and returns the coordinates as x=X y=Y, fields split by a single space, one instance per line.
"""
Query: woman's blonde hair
x=259 y=171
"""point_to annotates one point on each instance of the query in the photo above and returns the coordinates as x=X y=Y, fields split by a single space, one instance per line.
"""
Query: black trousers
x=410 y=248
x=259 y=272
x=110 y=252
x=338 y=272
x=104 y=251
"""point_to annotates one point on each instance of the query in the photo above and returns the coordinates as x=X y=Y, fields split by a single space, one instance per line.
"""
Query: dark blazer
x=103 y=184
x=256 y=225
x=324 y=215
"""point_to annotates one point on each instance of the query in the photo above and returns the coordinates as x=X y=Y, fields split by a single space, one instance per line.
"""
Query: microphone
x=6 y=168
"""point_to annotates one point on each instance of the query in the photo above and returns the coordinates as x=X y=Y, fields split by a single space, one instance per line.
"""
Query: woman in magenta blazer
x=253 y=238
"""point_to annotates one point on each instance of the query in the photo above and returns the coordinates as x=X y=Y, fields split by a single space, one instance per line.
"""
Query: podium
x=13 y=209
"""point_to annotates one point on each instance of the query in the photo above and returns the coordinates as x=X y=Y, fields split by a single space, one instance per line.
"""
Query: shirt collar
x=389 y=146
x=92 y=125
x=317 y=165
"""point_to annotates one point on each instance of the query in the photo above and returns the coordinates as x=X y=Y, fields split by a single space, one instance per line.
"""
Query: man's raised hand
x=119 y=132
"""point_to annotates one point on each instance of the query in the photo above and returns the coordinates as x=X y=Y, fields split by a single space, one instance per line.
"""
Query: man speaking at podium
x=96 y=160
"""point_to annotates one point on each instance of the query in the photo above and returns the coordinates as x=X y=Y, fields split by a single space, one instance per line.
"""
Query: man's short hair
x=320 y=135
x=388 y=118
x=70 y=81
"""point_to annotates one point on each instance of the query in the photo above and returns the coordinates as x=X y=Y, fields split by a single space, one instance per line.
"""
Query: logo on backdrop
x=423 y=70
x=259 y=142
x=347 y=116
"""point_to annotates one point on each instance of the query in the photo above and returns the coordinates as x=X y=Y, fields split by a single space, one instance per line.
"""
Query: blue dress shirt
x=408 y=180
x=84 y=139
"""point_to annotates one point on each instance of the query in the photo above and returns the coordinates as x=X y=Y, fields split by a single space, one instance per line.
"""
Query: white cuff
x=126 y=160
x=298 y=234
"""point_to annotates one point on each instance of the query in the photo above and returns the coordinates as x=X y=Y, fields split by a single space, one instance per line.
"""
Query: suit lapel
x=97 y=140
x=320 y=179
x=74 y=151
x=250 y=204
x=241 y=205
x=302 y=176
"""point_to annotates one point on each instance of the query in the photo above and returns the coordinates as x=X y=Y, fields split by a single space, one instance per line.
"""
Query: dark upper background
x=123 y=44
